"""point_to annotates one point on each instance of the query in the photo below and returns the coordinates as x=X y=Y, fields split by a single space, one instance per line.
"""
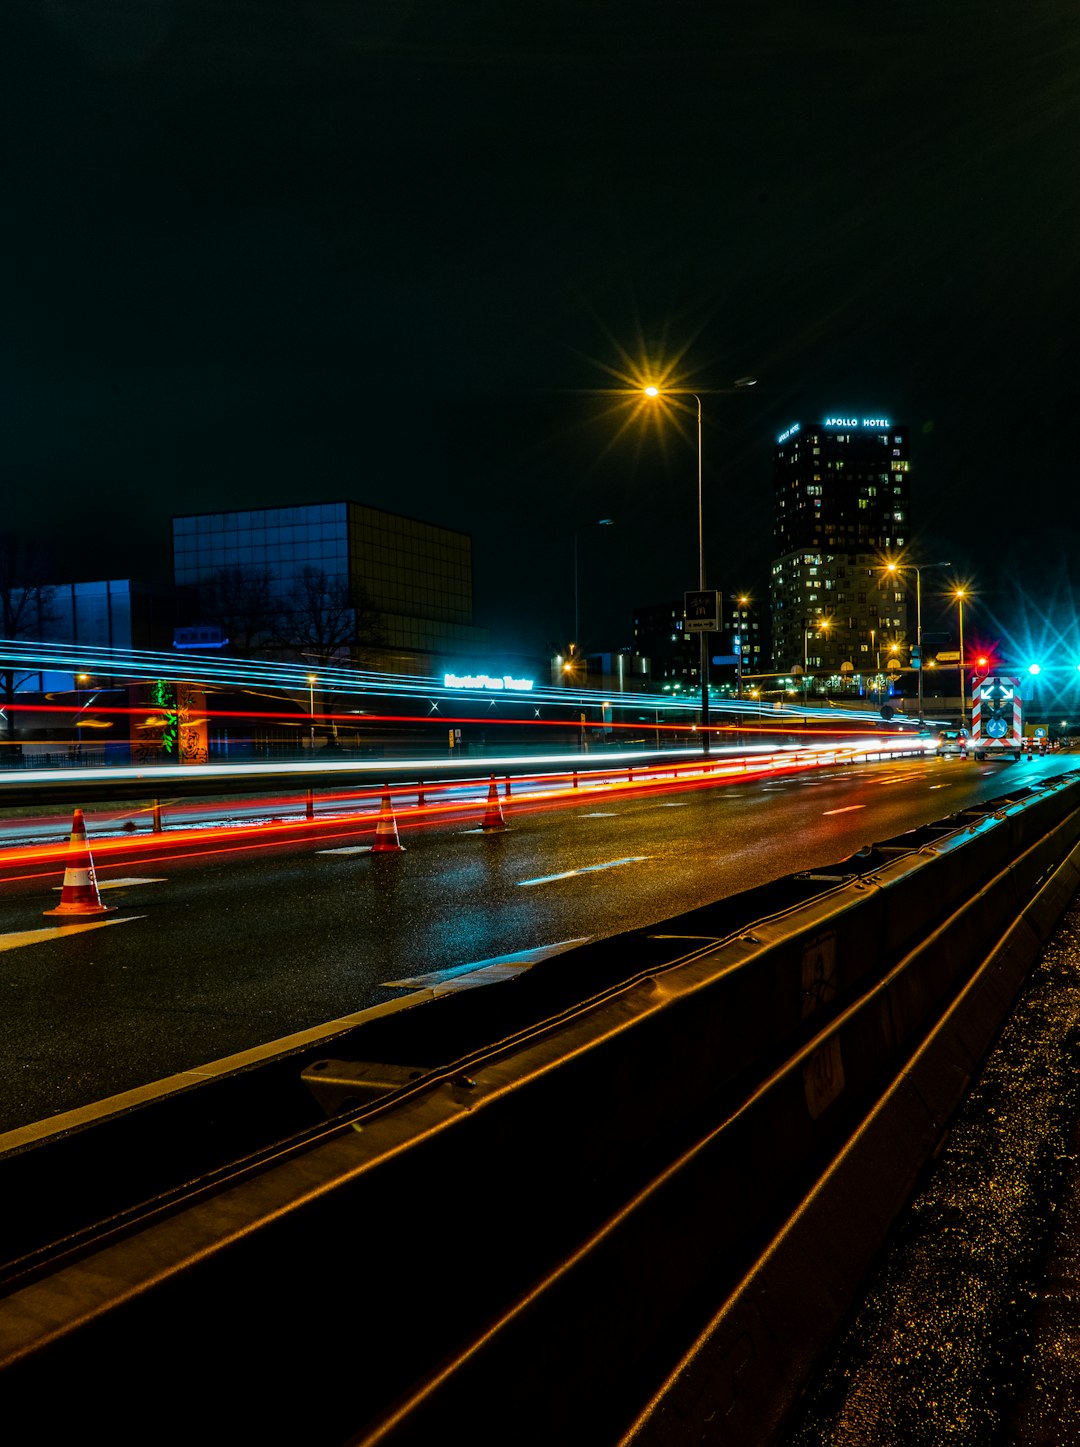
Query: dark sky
x=261 y=251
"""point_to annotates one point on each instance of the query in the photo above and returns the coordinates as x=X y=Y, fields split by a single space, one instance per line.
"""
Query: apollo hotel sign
x=877 y=422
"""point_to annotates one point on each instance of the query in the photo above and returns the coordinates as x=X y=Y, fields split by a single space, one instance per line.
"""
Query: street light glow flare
x=652 y=391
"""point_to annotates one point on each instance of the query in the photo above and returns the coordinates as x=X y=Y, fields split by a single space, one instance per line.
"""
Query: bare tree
x=26 y=605
x=326 y=618
x=242 y=603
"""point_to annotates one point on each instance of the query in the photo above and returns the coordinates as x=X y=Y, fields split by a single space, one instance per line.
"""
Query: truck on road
x=997 y=718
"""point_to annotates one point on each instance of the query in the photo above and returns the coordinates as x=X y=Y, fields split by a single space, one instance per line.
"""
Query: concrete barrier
x=609 y=1223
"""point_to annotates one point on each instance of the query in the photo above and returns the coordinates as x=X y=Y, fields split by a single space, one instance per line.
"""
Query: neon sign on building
x=856 y=422
x=486 y=681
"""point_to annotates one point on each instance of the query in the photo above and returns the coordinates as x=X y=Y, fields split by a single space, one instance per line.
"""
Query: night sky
x=271 y=251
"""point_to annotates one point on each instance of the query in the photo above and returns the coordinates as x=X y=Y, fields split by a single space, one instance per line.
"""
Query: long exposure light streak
x=366 y=720
x=142 y=664
x=379 y=768
x=548 y=792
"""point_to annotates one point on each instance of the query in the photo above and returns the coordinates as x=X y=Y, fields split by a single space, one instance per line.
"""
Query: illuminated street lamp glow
x=653 y=391
x=1034 y=669
x=960 y=594
x=743 y=600
x=916 y=568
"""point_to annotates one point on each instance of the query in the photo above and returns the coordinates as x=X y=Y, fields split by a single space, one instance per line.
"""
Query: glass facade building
x=416 y=577
x=841 y=507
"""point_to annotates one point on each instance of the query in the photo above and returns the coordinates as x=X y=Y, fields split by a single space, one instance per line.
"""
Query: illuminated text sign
x=790 y=432
x=486 y=681
x=856 y=422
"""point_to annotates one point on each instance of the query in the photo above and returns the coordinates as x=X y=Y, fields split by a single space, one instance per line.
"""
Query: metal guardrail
x=557 y=1236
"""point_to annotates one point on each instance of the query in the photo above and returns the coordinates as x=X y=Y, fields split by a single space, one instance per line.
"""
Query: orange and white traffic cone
x=386 y=835
x=493 y=814
x=79 y=895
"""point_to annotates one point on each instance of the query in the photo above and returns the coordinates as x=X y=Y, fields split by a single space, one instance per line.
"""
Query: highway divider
x=629 y=1195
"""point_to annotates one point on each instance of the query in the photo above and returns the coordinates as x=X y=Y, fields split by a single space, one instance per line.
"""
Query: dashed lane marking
x=55 y=932
x=585 y=869
x=483 y=972
x=348 y=849
x=601 y=814
x=848 y=809
x=118 y=883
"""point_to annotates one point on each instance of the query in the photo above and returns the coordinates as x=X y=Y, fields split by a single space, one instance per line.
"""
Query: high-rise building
x=405 y=586
x=841 y=507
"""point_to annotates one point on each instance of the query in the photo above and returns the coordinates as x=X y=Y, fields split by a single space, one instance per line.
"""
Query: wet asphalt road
x=214 y=953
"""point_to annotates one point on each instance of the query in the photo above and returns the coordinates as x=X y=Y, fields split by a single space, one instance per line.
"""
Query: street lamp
x=916 y=568
x=743 y=602
x=960 y=594
x=312 y=680
x=653 y=392
x=600 y=523
x=821 y=626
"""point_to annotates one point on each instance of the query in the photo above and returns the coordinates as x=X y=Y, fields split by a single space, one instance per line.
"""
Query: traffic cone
x=79 y=894
x=493 y=814
x=386 y=835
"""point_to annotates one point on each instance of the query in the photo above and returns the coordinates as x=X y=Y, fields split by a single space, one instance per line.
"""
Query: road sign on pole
x=701 y=610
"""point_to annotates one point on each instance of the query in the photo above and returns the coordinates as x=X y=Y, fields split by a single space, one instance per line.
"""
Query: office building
x=112 y=613
x=281 y=577
x=674 y=655
x=841 y=507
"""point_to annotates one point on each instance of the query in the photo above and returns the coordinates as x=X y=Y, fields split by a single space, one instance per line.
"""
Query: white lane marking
x=484 y=972
x=601 y=814
x=681 y=804
x=42 y=936
x=349 y=849
x=585 y=869
x=849 y=809
x=117 y=883
x=939 y=786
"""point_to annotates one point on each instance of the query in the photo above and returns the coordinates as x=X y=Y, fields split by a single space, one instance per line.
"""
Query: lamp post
x=960 y=594
x=916 y=568
x=743 y=602
x=312 y=679
x=81 y=680
x=653 y=392
x=599 y=523
x=822 y=626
